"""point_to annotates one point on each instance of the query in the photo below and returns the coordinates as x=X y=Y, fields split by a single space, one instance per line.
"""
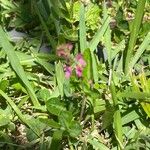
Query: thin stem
x=83 y=107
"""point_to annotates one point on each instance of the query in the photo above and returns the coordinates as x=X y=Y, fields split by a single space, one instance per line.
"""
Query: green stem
x=117 y=117
x=82 y=107
x=134 y=33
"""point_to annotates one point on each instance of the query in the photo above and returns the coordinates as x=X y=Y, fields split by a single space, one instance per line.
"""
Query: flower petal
x=79 y=71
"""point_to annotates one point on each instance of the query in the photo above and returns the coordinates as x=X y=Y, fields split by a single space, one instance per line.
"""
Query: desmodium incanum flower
x=80 y=65
x=64 y=50
x=68 y=71
x=79 y=70
x=80 y=60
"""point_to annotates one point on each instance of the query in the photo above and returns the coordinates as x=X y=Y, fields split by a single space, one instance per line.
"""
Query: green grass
x=134 y=33
x=107 y=107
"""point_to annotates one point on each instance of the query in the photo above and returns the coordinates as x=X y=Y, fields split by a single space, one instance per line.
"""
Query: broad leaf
x=55 y=106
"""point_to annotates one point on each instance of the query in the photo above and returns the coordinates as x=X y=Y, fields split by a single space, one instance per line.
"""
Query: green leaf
x=50 y=122
x=60 y=76
x=97 y=145
x=48 y=67
x=7 y=4
x=56 y=140
x=18 y=112
x=65 y=119
x=25 y=59
x=135 y=95
x=43 y=23
x=44 y=94
x=82 y=28
x=146 y=107
x=9 y=49
x=94 y=67
x=134 y=33
x=55 y=106
x=99 y=34
x=74 y=129
x=87 y=72
x=98 y=105
x=129 y=117
x=4 y=84
x=117 y=116
x=140 y=50
x=4 y=120
x=36 y=125
x=107 y=37
x=119 y=48
x=107 y=118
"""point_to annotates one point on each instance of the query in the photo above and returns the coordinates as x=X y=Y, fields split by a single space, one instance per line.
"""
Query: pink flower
x=69 y=46
x=61 y=53
x=79 y=56
x=64 y=50
x=80 y=64
x=68 y=71
x=80 y=60
x=79 y=70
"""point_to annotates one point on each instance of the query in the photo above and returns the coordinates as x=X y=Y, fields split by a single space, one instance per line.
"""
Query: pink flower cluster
x=68 y=71
x=80 y=65
x=64 y=51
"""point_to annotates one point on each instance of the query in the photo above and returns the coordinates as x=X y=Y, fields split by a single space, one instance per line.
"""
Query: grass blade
x=60 y=76
x=18 y=112
x=96 y=39
x=140 y=50
x=119 y=48
x=129 y=117
x=141 y=96
x=49 y=67
x=96 y=144
x=82 y=28
x=50 y=38
x=107 y=37
x=134 y=32
x=117 y=117
x=14 y=61
x=94 y=67
x=87 y=72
